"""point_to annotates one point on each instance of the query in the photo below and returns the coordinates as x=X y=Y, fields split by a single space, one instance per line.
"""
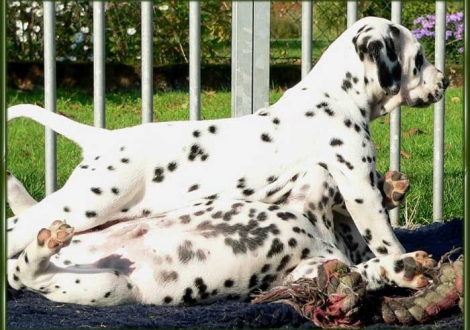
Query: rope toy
x=337 y=298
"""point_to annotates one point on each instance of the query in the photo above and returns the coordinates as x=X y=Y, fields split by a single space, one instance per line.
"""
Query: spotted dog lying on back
x=209 y=251
x=283 y=154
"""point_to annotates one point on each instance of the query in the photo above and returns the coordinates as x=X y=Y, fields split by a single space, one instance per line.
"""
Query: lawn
x=25 y=141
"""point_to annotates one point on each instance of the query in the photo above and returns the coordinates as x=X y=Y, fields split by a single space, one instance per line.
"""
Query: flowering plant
x=74 y=30
x=425 y=32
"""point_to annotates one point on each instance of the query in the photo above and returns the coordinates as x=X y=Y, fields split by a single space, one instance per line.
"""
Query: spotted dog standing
x=317 y=132
x=209 y=251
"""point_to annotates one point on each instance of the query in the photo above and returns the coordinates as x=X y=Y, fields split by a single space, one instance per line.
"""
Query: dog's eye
x=419 y=60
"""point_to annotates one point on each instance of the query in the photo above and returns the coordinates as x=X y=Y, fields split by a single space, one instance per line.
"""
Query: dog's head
x=395 y=69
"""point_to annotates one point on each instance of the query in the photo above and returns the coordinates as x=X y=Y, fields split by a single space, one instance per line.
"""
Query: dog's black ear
x=384 y=51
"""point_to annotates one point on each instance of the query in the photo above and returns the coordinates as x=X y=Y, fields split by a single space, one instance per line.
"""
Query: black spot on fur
x=323 y=165
x=265 y=137
x=196 y=133
x=265 y=268
x=292 y=242
x=284 y=261
x=309 y=114
x=97 y=191
x=111 y=168
x=107 y=294
x=273 y=207
x=193 y=187
x=167 y=300
x=359 y=200
x=276 y=121
x=253 y=281
x=305 y=253
x=286 y=216
x=188 y=297
x=212 y=129
x=382 y=250
x=367 y=236
x=248 y=192
x=125 y=160
x=276 y=247
x=91 y=214
x=66 y=209
x=172 y=166
x=336 y=142
x=115 y=190
x=229 y=283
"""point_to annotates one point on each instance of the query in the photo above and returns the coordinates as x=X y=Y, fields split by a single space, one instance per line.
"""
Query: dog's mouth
x=433 y=96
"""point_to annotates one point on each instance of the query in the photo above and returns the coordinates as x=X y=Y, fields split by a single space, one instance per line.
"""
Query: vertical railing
x=146 y=9
x=99 y=63
x=307 y=39
x=250 y=56
x=50 y=94
x=352 y=13
x=194 y=60
x=439 y=107
x=395 y=125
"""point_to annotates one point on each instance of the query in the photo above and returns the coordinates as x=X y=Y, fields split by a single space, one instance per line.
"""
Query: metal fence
x=250 y=70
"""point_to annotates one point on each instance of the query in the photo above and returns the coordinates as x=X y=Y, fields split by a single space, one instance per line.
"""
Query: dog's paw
x=57 y=236
x=395 y=187
x=408 y=270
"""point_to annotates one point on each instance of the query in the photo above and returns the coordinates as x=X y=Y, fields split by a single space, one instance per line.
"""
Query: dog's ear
x=383 y=50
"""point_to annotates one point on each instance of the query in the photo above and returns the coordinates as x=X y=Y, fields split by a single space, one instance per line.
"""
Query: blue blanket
x=29 y=310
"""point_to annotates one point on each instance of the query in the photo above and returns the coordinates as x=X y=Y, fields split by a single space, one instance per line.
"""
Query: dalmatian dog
x=317 y=130
x=170 y=259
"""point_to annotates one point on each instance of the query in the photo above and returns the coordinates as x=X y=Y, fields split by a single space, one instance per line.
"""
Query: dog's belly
x=201 y=252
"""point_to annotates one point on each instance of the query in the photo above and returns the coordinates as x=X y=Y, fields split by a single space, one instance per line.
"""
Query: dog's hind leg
x=87 y=286
x=93 y=195
x=18 y=198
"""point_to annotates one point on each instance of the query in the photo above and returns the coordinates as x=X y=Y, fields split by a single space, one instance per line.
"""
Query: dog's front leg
x=366 y=206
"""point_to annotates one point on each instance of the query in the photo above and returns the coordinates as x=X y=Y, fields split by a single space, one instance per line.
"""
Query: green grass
x=25 y=141
x=282 y=51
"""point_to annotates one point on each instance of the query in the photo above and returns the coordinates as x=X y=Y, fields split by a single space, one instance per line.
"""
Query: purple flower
x=448 y=34
x=460 y=50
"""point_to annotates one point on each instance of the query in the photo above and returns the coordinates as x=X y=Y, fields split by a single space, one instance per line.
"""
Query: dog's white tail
x=81 y=134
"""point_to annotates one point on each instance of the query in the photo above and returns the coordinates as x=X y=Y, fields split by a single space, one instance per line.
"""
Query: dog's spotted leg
x=393 y=186
x=406 y=270
x=87 y=285
x=357 y=181
x=89 y=198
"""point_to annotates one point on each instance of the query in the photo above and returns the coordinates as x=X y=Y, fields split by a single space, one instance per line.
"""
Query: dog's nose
x=445 y=82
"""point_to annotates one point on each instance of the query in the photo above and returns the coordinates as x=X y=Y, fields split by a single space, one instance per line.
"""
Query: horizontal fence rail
x=250 y=71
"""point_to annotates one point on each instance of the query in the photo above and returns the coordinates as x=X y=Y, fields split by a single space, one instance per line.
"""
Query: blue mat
x=29 y=310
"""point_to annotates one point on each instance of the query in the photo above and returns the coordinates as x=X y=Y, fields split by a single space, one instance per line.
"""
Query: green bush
x=74 y=29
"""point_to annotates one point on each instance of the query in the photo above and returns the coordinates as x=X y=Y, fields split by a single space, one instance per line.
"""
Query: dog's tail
x=81 y=134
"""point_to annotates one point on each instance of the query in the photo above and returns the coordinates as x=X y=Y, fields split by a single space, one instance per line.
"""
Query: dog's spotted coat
x=191 y=197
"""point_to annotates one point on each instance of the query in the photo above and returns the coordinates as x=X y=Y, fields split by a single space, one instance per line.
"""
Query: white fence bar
x=352 y=13
x=439 y=107
x=50 y=94
x=98 y=63
x=194 y=60
x=395 y=125
x=261 y=58
x=307 y=25
x=147 y=61
x=242 y=60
